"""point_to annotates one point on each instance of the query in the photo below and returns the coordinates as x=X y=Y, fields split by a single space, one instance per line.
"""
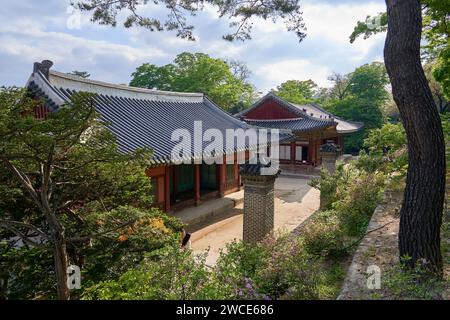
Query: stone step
x=211 y=208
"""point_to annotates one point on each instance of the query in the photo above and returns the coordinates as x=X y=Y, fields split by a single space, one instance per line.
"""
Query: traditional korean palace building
x=311 y=126
x=146 y=118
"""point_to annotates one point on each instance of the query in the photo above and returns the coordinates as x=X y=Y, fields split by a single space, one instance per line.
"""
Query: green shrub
x=276 y=268
x=351 y=195
x=328 y=184
x=357 y=202
x=324 y=236
x=169 y=273
x=385 y=151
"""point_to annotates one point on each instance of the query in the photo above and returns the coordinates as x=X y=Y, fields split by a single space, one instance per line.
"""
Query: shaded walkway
x=295 y=201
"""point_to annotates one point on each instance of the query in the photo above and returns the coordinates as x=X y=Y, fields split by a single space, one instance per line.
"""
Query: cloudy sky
x=33 y=30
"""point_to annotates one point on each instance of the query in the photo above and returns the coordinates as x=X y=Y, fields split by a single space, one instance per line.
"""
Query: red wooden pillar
x=293 y=152
x=236 y=171
x=167 y=189
x=197 y=184
x=317 y=144
x=310 y=151
x=222 y=177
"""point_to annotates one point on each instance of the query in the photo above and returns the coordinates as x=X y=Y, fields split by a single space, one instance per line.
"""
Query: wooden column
x=167 y=189
x=222 y=178
x=197 y=184
x=293 y=152
x=236 y=172
x=311 y=156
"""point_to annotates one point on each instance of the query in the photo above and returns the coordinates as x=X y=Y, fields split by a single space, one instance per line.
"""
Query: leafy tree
x=369 y=82
x=435 y=25
x=71 y=193
x=359 y=96
x=386 y=151
x=442 y=102
x=240 y=13
x=225 y=84
x=441 y=73
x=82 y=74
x=239 y=70
x=407 y=23
x=340 y=86
x=297 y=91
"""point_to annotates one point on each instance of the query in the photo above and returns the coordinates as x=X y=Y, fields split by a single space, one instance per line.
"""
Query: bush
x=350 y=196
x=328 y=184
x=277 y=268
x=357 y=201
x=386 y=150
x=324 y=236
x=168 y=274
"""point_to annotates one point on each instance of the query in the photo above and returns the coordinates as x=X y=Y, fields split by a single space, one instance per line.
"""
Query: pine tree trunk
x=421 y=213
x=61 y=264
x=59 y=249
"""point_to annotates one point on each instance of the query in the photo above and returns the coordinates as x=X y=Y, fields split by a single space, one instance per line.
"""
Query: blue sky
x=33 y=30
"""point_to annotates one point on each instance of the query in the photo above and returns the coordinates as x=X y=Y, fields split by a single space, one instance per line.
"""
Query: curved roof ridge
x=59 y=79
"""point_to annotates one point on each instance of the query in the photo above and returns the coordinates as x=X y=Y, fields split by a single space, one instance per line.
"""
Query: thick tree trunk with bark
x=421 y=213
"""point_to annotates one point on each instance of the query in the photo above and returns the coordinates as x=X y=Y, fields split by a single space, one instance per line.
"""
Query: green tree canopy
x=360 y=96
x=297 y=91
x=71 y=196
x=441 y=71
x=225 y=84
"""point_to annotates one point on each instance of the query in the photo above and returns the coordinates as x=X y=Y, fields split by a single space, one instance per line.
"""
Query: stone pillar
x=258 y=201
x=329 y=153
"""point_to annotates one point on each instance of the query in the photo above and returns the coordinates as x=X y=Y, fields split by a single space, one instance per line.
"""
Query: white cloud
x=31 y=31
x=275 y=73
x=30 y=41
x=335 y=22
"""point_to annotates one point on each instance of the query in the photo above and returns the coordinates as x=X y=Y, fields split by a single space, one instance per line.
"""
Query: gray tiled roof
x=295 y=125
x=343 y=126
x=140 y=117
x=309 y=111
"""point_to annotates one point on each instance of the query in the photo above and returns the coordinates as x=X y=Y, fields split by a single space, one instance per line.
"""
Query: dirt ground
x=295 y=201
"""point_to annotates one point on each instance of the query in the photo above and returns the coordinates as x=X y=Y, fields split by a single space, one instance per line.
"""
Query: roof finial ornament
x=43 y=67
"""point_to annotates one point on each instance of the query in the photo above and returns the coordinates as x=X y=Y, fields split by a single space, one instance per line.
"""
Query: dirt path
x=295 y=201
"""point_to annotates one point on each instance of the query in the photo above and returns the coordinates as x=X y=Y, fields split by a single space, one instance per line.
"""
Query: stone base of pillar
x=329 y=153
x=258 y=203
